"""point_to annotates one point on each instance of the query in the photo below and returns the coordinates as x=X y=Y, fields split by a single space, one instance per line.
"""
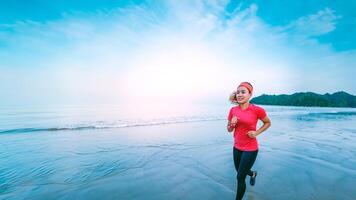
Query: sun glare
x=180 y=70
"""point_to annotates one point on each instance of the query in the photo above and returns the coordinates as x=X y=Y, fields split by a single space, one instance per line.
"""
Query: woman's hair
x=233 y=98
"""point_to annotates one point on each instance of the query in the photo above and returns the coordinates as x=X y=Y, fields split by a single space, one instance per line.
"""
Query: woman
x=242 y=120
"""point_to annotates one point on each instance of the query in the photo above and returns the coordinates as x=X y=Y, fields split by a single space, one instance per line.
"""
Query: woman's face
x=242 y=95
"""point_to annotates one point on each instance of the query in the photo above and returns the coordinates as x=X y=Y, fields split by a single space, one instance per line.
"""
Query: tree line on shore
x=308 y=99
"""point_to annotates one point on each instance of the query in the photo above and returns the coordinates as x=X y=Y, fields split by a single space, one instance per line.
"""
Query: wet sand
x=300 y=158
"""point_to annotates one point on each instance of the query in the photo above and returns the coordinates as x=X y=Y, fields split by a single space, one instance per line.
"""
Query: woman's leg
x=237 y=157
x=246 y=162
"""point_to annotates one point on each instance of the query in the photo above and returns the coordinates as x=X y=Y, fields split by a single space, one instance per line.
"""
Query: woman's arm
x=266 y=124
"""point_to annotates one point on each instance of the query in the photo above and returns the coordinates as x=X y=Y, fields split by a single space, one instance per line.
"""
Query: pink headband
x=248 y=86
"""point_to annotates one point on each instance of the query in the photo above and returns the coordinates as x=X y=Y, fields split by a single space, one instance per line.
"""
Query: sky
x=173 y=51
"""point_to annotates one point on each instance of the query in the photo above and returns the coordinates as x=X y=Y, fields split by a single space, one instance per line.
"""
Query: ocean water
x=172 y=152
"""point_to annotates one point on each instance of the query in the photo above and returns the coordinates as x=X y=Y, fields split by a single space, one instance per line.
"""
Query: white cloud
x=323 y=22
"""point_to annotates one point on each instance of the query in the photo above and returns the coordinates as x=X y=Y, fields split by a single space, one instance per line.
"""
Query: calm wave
x=103 y=125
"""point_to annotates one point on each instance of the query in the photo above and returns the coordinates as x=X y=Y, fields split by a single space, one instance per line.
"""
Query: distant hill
x=338 y=99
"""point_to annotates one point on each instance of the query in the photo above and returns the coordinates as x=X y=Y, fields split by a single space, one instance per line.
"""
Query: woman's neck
x=244 y=106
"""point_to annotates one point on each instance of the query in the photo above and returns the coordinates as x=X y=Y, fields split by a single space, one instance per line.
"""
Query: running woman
x=242 y=120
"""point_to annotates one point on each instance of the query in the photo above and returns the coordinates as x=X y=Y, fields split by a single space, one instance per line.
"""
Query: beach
x=308 y=153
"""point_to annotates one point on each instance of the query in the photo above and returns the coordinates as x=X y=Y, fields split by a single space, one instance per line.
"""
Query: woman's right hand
x=232 y=124
x=234 y=121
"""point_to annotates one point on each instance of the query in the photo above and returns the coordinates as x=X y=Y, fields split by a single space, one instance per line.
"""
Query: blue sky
x=172 y=51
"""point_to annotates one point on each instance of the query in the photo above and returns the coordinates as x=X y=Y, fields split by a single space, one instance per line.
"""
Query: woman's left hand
x=252 y=134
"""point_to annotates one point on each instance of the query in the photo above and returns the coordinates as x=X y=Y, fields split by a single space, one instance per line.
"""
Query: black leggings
x=243 y=161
